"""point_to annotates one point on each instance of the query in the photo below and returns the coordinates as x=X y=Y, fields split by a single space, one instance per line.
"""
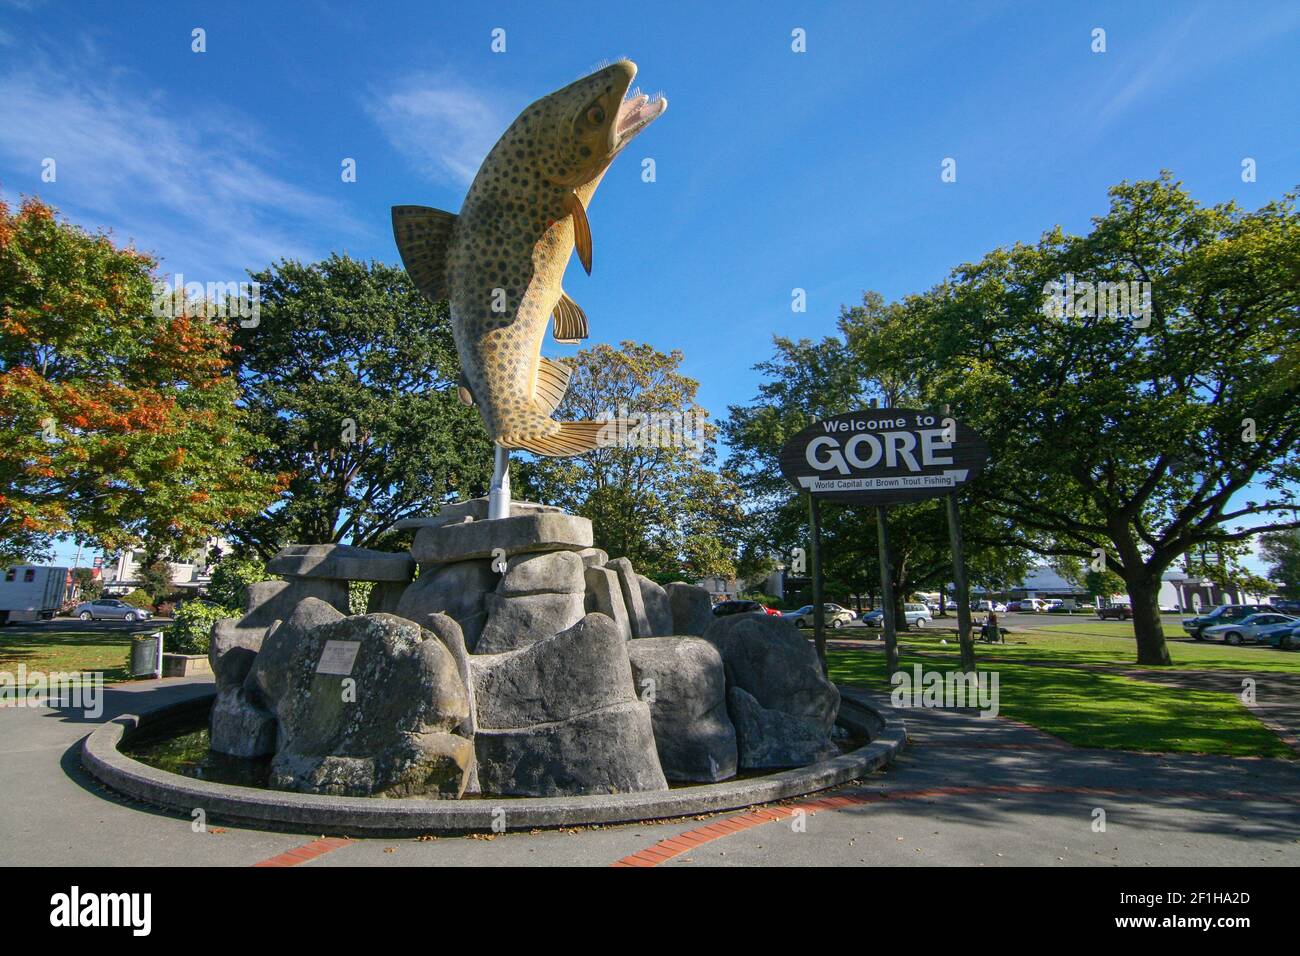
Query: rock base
x=521 y=661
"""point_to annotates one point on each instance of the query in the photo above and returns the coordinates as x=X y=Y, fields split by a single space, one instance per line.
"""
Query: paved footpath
x=967 y=791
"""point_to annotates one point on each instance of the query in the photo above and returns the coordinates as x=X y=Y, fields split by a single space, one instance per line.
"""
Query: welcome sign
x=883 y=456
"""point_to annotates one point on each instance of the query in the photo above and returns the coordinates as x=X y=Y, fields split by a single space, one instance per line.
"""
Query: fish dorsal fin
x=462 y=390
x=581 y=230
x=423 y=236
x=552 y=383
x=570 y=320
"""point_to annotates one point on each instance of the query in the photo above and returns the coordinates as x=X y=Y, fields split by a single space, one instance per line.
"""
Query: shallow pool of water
x=181 y=747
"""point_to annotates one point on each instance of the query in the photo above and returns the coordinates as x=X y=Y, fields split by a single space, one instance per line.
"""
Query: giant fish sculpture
x=500 y=262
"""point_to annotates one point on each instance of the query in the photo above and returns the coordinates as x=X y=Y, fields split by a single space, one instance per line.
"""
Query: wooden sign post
x=879 y=457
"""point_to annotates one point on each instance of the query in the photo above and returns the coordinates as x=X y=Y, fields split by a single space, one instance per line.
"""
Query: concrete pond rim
x=103 y=759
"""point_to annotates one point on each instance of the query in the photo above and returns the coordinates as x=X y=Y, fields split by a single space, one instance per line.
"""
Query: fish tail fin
x=570 y=438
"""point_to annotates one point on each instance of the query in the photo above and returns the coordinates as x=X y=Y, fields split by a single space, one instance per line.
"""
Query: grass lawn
x=50 y=651
x=1091 y=708
x=1112 y=643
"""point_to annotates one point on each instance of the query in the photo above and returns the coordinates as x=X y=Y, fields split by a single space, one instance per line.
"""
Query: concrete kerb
x=360 y=816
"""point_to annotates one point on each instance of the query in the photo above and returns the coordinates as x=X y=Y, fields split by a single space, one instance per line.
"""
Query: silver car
x=1247 y=630
x=916 y=615
x=110 y=609
x=835 y=616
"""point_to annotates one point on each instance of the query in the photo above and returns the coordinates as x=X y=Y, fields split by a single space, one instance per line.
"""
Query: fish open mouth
x=635 y=113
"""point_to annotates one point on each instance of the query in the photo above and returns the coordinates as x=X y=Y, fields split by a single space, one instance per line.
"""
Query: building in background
x=121 y=572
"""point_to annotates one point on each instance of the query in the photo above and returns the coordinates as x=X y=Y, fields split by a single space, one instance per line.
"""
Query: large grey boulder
x=580 y=670
x=232 y=650
x=270 y=601
x=633 y=601
x=561 y=717
x=608 y=751
x=658 y=611
x=449 y=632
x=476 y=509
x=239 y=726
x=554 y=572
x=514 y=622
x=268 y=677
x=385 y=597
x=456 y=590
x=682 y=679
x=521 y=534
x=341 y=562
x=233 y=643
x=428 y=765
x=769 y=659
x=605 y=595
x=368 y=709
x=593 y=557
x=691 y=606
x=774 y=739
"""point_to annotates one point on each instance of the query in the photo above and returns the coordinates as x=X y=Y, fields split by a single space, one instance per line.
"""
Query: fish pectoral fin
x=423 y=236
x=570 y=321
x=552 y=383
x=573 y=438
x=463 y=392
x=581 y=230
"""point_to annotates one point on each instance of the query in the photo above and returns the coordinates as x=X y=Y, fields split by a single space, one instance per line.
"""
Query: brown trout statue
x=500 y=262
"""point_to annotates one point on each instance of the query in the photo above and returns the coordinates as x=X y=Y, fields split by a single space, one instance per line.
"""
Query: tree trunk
x=1144 y=592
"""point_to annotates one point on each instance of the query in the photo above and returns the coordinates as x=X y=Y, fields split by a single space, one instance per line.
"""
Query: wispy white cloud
x=198 y=188
x=442 y=127
x=1178 y=53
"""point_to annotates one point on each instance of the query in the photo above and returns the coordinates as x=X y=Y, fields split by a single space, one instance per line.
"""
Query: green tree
x=807 y=381
x=117 y=419
x=230 y=580
x=1224 y=564
x=350 y=375
x=1136 y=433
x=88 y=586
x=1281 y=549
x=156 y=577
x=653 y=499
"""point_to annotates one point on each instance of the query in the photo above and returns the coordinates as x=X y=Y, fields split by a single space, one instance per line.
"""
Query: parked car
x=724 y=608
x=1286 y=607
x=1028 y=605
x=1223 y=614
x=1284 y=636
x=1247 y=629
x=917 y=615
x=109 y=609
x=834 y=615
x=1116 y=612
x=995 y=606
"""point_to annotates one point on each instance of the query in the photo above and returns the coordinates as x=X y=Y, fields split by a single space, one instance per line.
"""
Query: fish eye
x=596 y=115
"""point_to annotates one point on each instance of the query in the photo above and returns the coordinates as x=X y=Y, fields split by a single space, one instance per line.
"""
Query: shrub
x=231 y=578
x=138 y=598
x=359 y=596
x=191 y=628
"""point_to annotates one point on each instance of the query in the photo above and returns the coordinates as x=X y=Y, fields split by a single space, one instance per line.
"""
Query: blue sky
x=775 y=169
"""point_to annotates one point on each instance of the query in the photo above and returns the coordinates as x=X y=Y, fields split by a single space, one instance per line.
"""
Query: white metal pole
x=499 y=492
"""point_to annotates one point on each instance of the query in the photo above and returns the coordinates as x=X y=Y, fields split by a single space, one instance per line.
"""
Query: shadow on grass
x=1097 y=709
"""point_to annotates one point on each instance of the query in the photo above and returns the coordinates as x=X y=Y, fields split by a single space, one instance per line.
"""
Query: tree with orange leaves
x=118 y=426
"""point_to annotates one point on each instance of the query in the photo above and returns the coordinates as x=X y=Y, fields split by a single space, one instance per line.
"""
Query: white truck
x=32 y=593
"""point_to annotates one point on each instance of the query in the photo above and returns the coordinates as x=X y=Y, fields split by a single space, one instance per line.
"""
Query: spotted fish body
x=500 y=262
